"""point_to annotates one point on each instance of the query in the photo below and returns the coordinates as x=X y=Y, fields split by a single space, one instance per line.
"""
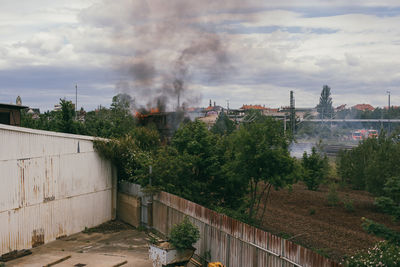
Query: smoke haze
x=169 y=46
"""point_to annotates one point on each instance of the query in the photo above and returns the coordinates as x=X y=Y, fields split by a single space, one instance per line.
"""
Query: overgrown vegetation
x=229 y=172
x=374 y=166
x=384 y=253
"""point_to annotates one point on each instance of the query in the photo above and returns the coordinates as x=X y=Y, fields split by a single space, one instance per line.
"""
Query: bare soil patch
x=304 y=216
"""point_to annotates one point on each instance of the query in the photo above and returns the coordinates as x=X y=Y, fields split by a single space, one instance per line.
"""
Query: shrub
x=333 y=197
x=315 y=169
x=384 y=204
x=387 y=205
x=380 y=230
x=348 y=205
x=383 y=253
x=184 y=234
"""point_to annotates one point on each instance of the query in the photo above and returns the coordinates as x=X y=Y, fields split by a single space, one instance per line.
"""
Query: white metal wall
x=51 y=185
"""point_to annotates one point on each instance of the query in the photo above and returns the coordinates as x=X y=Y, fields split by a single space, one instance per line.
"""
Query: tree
x=260 y=157
x=324 y=107
x=315 y=169
x=67 y=123
x=223 y=125
x=190 y=167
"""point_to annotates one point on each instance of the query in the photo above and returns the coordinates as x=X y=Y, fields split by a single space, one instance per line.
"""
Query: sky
x=244 y=52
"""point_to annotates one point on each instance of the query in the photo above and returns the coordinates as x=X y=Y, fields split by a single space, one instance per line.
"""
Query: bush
x=380 y=230
x=315 y=169
x=348 y=205
x=184 y=235
x=382 y=254
x=333 y=197
x=384 y=204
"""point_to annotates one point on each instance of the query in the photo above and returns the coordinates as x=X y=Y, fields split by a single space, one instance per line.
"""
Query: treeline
x=103 y=122
x=374 y=166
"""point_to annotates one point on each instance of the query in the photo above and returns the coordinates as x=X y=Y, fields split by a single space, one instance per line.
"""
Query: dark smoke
x=174 y=49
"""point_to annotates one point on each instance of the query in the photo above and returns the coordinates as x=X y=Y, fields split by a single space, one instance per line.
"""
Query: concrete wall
x=52 y=185
x=129 y=209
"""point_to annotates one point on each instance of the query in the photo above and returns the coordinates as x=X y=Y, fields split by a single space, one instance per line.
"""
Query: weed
x=311 y=211
x=348 y=204
x=142 y=228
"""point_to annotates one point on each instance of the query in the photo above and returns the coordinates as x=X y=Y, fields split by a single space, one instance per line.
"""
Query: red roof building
x=247 y=107
x=363 y=107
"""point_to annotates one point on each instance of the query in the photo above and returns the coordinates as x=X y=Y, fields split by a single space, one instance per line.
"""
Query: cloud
x=242 y=50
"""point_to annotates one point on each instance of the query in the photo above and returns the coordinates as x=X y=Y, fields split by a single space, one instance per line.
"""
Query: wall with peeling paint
x=51 y=185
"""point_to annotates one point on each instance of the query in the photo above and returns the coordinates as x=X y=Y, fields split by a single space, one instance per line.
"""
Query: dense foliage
x=374 y=166
x=383 y=253
x=258 y=156
x=315 y=169
x=132 y=153
x=223 y=125
x=184 y=234
x=103 y=122
x=232 y=173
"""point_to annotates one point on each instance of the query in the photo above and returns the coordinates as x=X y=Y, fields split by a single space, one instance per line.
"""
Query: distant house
x=250 y=107
x=363 y=107
x=11 y=114
x=340 y=108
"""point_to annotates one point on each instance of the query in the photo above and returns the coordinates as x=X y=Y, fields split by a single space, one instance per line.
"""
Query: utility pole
x=388 y=92
x=292 y=113
x=76 y=101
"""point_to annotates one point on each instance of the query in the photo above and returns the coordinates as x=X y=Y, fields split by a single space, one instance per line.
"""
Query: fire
x=145 y=114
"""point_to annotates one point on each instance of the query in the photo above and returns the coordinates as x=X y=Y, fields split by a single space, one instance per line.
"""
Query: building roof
x=363 y=107
x=246 y=107
x=12 y=106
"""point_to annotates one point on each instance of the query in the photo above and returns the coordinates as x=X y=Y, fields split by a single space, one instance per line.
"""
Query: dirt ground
x=305 y=217
x=110 y=244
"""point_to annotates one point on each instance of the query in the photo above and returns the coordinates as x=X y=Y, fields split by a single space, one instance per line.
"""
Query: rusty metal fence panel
x=52 y=185
x=229 y=241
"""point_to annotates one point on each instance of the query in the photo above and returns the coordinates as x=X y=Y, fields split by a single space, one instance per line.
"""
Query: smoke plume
x=171 y=46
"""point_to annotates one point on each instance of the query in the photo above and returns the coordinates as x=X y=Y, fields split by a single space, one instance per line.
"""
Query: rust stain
x=234 y=242
x=22 y=189
x=37 y=238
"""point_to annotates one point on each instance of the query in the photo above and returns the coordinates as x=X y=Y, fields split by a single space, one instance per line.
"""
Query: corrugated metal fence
x=229 y=241
x=51 y=185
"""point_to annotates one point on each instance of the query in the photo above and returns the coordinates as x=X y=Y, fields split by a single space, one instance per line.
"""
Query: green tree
x=260 y=157
x=324 y=107
x=193 y=147
x=315 y=169
x=66 y=123
x=132 y=154
x=223 y=125
x=114 y=122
